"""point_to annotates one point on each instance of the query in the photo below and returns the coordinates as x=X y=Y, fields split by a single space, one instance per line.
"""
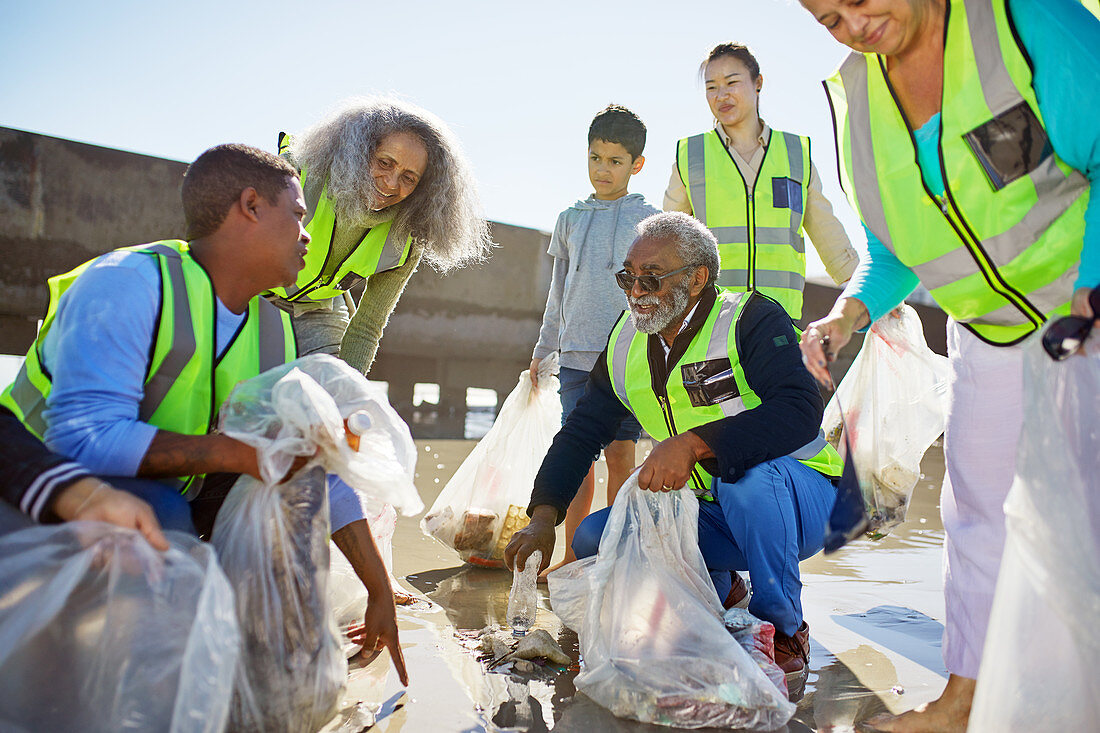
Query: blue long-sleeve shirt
x=98 y=352
x=788 y=417
x=1063 y=40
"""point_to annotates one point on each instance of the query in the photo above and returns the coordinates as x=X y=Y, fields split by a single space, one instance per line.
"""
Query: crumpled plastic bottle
x=523 y=601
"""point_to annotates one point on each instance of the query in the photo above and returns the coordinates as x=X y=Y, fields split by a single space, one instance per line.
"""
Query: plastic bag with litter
x=652 y=636
x=100 y=632
x=1038 y=669
x=272 y=538
x=485 y=501
x=318 y=402
x=895 y=405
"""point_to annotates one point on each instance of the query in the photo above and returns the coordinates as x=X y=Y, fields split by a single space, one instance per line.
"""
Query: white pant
x=984 y=419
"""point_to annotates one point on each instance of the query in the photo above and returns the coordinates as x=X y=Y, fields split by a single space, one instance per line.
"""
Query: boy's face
x=610 y=168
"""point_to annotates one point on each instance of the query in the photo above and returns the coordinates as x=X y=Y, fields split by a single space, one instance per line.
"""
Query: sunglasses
x=648 y=283
x=1064 y=336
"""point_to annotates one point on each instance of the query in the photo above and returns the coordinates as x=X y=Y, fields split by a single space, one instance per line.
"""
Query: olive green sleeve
x=383 y=290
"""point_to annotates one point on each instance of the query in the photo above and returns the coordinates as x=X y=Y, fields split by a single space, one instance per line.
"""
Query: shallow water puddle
x=875 y=611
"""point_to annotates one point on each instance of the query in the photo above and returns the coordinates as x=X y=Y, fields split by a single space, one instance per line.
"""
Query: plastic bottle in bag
x=523 y=601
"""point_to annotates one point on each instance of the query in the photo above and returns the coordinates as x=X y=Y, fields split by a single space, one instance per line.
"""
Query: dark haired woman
x=756 y=189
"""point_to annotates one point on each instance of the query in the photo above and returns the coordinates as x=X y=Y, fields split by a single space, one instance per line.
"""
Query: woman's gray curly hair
x=443 y=211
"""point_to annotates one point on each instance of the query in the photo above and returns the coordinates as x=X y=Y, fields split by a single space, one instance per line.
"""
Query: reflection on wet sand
x=874 y=609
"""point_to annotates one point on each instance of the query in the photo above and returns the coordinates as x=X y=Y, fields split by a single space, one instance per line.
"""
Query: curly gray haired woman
x=387 y=184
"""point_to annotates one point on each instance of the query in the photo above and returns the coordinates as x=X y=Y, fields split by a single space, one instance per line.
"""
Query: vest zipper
x=328 y=253
x=951 y=212
x=670 y=423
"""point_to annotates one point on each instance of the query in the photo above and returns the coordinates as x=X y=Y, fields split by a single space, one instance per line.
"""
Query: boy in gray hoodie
x=589 y=244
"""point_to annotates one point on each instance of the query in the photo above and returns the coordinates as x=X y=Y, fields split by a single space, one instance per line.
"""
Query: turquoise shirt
x=1063 y=40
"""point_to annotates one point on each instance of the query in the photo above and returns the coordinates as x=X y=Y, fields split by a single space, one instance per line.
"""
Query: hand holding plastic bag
x=272 y=538
x=100 y=632
x=485 y=501
x=895 y=401
x=303 y=408
x=1037 y=671
x=652 y=637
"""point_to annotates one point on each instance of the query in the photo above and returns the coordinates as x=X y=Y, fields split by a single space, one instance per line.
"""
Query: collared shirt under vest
x=999 y=249
x=706 y=383
x=186 y=382
x=321 y=279
x=759 y=227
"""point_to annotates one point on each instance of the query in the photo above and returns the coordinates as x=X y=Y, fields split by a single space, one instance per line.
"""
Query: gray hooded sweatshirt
x=589 y=244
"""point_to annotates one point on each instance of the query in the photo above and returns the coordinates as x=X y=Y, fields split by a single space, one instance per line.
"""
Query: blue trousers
x=172 y=510
x=765 y=523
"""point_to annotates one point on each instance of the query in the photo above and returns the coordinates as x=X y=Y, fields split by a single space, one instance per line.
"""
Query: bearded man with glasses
x=717 y=379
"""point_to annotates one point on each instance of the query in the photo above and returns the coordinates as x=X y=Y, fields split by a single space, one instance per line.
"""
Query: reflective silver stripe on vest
x=798 y=173
x=811 y=449
x=391 y=251
x=183 y=337
x=272 y=343
x=999 y=90
x=733 y=278
x=730 y=235
x=718 y=347
x=618 y=368
x=1046 y=299
x=30 y=400
x=853 y=72
x=764 y=235
x=697 y=178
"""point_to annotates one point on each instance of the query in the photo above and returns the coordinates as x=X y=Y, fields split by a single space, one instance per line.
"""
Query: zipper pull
x=943 y=204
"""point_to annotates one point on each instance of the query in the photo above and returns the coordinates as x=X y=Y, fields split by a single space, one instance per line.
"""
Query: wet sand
x=875 y=612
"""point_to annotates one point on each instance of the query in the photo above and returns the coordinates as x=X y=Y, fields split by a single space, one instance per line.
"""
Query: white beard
x=666 y=312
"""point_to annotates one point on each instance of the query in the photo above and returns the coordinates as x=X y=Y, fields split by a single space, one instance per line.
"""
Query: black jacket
x=788 y=417
x=30 y=474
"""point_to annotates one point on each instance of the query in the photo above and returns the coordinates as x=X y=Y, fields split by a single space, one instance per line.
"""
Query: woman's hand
x=534 y=372
x=823 y=339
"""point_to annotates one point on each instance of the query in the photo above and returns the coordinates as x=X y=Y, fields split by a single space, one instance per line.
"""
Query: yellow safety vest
x=706 y=384
x=999 y=249
x=185 y=383
x=759 y=229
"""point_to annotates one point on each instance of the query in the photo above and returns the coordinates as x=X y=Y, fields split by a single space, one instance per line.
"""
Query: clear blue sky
x=518 y=82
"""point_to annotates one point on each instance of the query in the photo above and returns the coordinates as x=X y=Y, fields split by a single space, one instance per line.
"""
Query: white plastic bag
x=295 y=409
x=272 y=539
x=485 y=501
x=652 y=637
x=100 y=632
x=895 y=405
x=1038 y=670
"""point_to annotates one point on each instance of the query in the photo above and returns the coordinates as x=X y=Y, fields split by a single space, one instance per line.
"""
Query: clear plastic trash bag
x=485 y=501
x=100 y=632
x=273 y=538
x=295 y=409
x=272 y=542
x=1038 y=670
x=895 y=406
x=651 y=635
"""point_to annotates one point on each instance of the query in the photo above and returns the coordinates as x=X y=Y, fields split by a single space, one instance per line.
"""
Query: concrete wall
x=64 y=202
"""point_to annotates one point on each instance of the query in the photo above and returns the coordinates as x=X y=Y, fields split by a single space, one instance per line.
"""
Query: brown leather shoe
x=792 y=655
x=739 y=593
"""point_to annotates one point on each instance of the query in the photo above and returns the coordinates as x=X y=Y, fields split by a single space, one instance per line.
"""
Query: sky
x=517 y=82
